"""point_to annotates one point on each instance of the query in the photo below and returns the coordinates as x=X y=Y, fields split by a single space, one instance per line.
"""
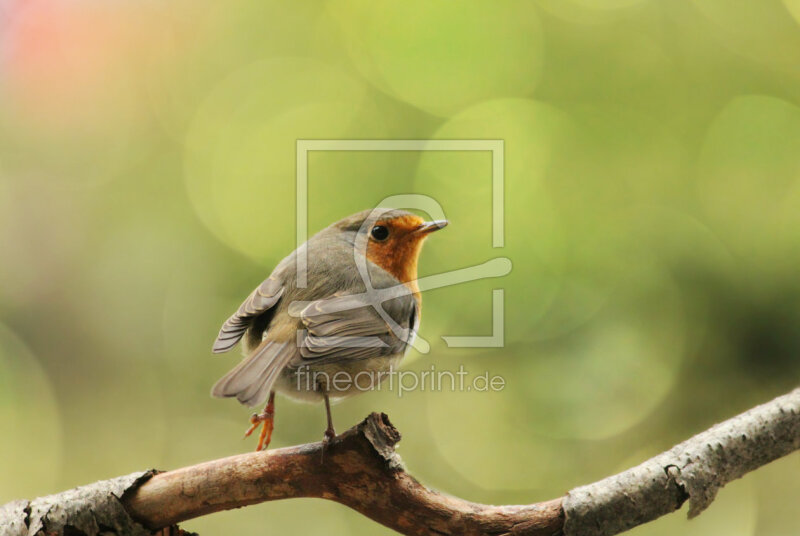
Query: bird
x=354 y=318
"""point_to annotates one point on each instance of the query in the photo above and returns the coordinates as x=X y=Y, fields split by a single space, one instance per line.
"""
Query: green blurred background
x=652 y=210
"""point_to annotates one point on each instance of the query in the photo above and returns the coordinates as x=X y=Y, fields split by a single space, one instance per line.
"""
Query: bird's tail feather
x=252 y=379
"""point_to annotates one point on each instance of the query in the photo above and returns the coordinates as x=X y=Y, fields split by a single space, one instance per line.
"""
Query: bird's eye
x=380 y=233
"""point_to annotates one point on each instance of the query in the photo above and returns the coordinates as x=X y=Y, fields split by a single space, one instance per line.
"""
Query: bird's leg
x=330 y=433
x=267 y=420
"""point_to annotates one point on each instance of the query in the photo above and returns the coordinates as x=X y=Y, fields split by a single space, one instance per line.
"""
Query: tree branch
x=693 y=470
x=360 y=469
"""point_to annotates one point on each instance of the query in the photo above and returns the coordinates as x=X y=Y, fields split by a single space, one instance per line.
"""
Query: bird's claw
x=267 y=421
x=327 y=438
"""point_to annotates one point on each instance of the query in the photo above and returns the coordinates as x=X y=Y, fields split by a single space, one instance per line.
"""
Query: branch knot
x=383 y=437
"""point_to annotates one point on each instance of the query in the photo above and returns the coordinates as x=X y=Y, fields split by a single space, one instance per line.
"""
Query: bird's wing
x=262 y=299
x=352 y=328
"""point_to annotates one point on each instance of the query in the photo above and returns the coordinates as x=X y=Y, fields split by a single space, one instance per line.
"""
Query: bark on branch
x=360 y=469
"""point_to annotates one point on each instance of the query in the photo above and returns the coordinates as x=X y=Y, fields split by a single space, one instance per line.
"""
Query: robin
x=339 y=334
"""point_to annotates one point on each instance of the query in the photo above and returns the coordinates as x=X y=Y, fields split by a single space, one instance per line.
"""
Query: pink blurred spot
x=65 y=62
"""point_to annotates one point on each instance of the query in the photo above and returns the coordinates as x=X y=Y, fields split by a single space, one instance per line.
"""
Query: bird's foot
x=330 y=435
x=267 y=422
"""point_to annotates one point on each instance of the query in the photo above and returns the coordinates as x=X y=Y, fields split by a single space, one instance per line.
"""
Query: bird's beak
x=431 y=226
